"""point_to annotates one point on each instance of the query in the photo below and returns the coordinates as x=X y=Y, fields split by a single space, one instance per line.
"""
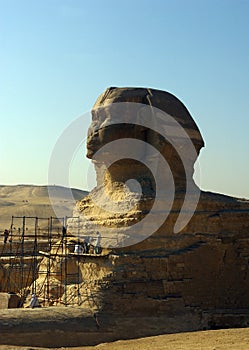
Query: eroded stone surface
x=203 y=267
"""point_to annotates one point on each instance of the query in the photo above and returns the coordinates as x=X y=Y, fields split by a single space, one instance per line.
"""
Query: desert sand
x=29 y=200
x=228 y=339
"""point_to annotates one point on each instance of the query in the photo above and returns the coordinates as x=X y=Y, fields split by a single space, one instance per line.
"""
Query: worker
x=87 y=244
x=6 y=236
x=97 y=248
x=64 y=230
x=34 y=302
x=78 y=249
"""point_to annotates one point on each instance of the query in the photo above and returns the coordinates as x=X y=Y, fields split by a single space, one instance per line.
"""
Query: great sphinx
x=190 y=258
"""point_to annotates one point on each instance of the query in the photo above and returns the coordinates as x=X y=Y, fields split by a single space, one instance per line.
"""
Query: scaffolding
x=40 y=259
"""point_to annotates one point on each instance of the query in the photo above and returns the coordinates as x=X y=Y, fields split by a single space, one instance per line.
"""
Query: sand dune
x=29 y=200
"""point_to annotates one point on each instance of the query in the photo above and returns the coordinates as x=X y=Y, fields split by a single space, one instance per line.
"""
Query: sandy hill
x=30 y=200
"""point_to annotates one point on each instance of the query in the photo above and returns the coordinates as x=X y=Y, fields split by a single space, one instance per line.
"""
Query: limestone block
x=9 y=301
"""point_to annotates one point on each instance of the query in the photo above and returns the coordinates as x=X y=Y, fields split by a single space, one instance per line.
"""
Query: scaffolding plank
x=70 y=254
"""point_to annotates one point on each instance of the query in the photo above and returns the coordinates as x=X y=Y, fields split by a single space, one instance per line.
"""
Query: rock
x=9 y=300
x=126 y=113
x=202 y=267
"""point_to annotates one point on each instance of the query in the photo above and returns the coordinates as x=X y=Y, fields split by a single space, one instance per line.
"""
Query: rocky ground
x=229 y=339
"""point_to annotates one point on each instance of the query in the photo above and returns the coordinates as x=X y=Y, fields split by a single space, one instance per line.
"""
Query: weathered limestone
x=204 y=267
x=9 y=300
x=17 y=270
x=133 y=105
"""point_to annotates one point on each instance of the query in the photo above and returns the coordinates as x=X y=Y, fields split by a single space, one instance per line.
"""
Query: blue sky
x=57 y=56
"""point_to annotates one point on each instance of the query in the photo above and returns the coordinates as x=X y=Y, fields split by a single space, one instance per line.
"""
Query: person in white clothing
x=34 y=302
x=97 y=248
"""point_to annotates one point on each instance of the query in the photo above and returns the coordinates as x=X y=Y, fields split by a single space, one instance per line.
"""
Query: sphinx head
x=142 y=134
